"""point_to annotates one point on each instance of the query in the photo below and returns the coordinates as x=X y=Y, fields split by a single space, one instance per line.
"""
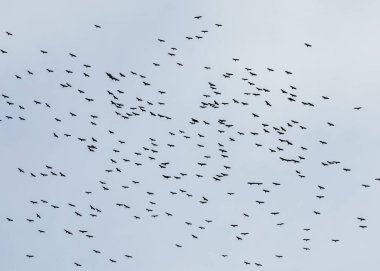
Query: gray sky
x=342 y=64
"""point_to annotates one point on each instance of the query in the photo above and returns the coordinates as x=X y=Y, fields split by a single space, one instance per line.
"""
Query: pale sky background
x=343 y=64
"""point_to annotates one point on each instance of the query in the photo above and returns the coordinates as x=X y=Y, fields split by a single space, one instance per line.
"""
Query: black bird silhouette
x=112 y=77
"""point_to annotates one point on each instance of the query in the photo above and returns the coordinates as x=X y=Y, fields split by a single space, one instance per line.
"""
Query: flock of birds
x=152 y=153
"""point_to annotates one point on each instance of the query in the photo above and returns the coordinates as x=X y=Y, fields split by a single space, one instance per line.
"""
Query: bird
x=112 y=77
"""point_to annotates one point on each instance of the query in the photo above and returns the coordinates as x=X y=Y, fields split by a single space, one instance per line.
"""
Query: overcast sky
x=342 y=64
